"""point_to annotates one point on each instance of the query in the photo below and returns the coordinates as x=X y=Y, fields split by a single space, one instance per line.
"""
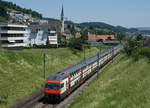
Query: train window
x=62 y=85
x=54 y=86
x=66 y=84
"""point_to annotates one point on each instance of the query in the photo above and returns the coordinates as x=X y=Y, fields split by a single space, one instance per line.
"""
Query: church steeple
x=62 y=20
x=62 y=11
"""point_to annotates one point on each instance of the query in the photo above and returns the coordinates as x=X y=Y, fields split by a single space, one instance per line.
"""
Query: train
x=63 y=83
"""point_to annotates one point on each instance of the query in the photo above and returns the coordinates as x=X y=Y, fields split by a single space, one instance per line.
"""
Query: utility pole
x=112 y=54
x=97 y=64
x=84 y=52
x=98 y=61
x=99 y=55
x=44 y=65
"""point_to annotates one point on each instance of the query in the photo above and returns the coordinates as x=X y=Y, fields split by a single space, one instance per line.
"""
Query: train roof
x=61 y=75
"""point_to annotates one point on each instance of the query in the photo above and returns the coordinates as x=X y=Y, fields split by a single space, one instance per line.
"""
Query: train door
x=68 y=86
x=81 y=70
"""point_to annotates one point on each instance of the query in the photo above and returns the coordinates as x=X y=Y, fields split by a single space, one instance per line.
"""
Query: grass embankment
x=21 y=72
x=123 y=84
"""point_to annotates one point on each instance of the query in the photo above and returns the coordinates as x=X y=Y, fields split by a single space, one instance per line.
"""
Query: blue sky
x=127 y=13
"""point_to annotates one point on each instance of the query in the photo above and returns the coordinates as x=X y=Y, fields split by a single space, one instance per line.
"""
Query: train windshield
x=53 y=86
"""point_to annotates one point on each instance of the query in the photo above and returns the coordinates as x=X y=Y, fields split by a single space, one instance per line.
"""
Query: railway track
x=44 y=106
x=43 y=103
x=38 y=100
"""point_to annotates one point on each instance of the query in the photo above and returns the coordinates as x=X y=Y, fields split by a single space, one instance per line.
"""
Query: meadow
x=123 y=84
x=21 y=72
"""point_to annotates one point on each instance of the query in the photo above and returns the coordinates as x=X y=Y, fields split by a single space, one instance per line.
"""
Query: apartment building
x=12 y=35
x=52 y=38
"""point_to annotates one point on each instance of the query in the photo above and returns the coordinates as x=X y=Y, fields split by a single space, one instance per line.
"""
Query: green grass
x=123 y=84
x=21 y=72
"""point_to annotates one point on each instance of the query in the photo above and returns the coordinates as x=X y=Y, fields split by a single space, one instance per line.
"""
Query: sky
x=127 y=13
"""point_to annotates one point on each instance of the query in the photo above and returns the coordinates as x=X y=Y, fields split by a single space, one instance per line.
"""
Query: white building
x=12 y=35
x=39 y=38
x=52 y=38
x=27 y=39
x=35 y=38
x=20 y=17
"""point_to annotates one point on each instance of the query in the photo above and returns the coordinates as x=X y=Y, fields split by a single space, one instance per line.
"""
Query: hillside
x=101 y=25
x=21 y=72
x=9 y=6
x=143 y=28
x=123 y=84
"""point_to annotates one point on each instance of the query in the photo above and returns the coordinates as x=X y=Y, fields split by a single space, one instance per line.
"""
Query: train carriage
x=61 y=84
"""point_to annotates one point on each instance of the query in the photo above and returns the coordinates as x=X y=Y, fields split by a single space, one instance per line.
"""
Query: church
x=65 y=32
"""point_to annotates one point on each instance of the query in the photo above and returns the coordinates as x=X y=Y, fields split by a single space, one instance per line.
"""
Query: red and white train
x=63 y=83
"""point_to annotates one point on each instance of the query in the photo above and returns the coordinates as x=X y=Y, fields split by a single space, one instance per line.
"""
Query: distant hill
x=143 y=28
x=147 y=32
x=51 y=19
x=101 y=25
x=6 y=6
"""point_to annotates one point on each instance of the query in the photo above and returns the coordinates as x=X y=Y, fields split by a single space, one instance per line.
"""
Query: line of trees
x=135 y=49
x=3 y=14
x=4 y=5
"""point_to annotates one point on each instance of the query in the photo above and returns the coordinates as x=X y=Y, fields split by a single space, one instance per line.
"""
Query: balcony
x=12 y=32
x=12 y=38
x=13 y=45
x=53 y=43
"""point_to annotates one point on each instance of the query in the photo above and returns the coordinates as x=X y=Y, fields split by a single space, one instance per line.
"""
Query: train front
x=52 y=90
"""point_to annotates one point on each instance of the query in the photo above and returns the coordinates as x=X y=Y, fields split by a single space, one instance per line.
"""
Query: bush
x=139 y=37
x=75 y=44
x=136 y=56
x=3 y=99
x=0 y=44
x=63 y=43
x=132 y=46
x=145 y=52
x=44 y=46
x=135 y=49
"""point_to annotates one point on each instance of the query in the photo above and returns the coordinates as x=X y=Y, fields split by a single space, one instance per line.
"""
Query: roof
x=77 y=35
x=105 y=37
x=92 y=37
x=100 y=37
x=45 y=27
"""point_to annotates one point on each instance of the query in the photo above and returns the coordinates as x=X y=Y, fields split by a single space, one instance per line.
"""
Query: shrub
x=3 y=99
x=136 y=56
x=63 y=43
x=0 y=44
x=75 y=44
x=132 y=46
x=139 y=37
x=145 y=52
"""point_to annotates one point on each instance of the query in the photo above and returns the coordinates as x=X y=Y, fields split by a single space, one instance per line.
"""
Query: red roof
x=101 y=37
x=77 y=35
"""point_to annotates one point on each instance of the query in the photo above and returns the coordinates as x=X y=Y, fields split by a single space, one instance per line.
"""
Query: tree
x=139 y=37
x=75 y=44
x=4 y=5
x=0 y=44
x=72 y=30
x=132 y=47
x=2 y=19
x=120 y=37
x=3 y=13
x=84 y=35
